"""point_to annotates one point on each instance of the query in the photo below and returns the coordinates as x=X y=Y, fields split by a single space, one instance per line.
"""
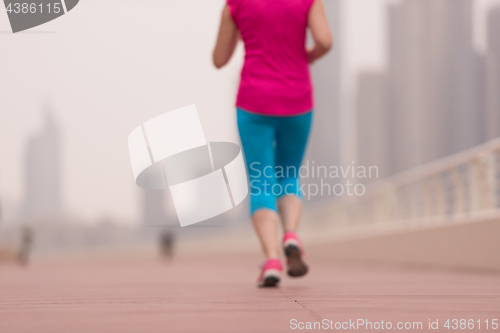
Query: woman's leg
x=257 y=135
x=291 y=142
x=290 y=209
x=266 y=224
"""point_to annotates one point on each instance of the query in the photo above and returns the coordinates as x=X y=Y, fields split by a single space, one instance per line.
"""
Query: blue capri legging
x=273 y=149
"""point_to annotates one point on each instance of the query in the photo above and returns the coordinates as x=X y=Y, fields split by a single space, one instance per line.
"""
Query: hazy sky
x=108 y=66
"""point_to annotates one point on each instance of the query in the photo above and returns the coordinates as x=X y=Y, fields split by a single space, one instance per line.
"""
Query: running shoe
x=270 y=273
x=295 y=257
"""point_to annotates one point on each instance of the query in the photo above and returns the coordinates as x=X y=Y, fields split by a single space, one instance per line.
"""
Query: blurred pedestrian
x=167 y=240
x=25 y=248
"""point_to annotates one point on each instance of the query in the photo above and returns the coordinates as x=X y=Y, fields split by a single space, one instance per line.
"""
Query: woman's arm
x=226 y=40
x=318 y=24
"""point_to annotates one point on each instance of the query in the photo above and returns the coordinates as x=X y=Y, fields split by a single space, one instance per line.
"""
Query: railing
x=459 y=188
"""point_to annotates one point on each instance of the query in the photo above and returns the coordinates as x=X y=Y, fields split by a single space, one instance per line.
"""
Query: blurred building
x=433 y=90
x=43 y=173
x=492 y=73
x=404 y=95
x=373 y=121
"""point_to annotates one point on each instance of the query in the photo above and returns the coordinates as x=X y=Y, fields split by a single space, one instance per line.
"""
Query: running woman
x=274 y=111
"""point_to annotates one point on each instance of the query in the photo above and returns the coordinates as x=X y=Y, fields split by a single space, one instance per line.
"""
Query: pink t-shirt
x=275 y=78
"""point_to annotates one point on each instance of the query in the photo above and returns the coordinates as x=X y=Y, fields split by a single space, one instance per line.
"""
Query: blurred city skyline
x=42 y=167
x=98 y=98
x=438 y=96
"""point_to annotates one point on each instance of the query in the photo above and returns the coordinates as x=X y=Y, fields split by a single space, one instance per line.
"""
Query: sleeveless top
x=275 y=78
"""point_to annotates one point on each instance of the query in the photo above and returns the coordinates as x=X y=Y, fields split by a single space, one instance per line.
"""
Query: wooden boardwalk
x=219 y=295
